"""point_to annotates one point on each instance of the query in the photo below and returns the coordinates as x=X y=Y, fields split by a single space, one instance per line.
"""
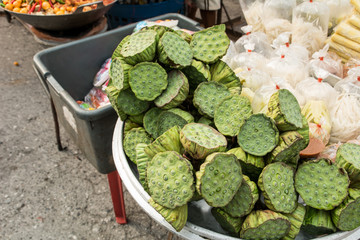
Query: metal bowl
x=201 y=224
x=62 y=22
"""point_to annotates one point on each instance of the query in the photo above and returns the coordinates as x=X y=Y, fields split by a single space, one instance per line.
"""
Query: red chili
x=32 y=8
x=52 y=6
x=40 y=4
x=12 y=1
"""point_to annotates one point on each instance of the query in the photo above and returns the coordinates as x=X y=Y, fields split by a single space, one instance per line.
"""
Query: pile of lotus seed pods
x=194 y=136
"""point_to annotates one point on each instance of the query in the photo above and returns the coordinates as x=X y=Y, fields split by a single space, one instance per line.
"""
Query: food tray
x=201 y=224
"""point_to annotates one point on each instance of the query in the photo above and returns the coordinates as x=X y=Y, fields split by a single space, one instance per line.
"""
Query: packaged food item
x=97 y=98
x=338 y=10
x=254 y=78
x=230 y=53
x=253 y=10
x=321 y=59
x=316 y=131
x=103 y=74
x=293 y=49
x=347 y=84
x=330 y=152
x=85 y=105
x=248 y=59
x=351 y=63
x=316 y=112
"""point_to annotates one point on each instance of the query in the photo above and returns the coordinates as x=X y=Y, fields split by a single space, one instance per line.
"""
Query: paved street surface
x=44 y=193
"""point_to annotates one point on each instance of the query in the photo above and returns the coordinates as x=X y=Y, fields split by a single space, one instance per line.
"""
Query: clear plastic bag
x=103 y=74
x=248 y=59
x=253 y=10
x=287 y=66
x=293 y=49
x=259 y=39
x=316 y=131
x=97 y=98
x=322 y=60
x=310 y=25
x=230 y=53
x=347 y=84
x=338 y=10
x=330 y=152
x=352 y=63
x=254 y=78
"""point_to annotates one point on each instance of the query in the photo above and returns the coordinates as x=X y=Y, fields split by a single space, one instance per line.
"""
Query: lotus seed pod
x=317 y=222
x=250 y=165
x=117 y=51
x=185 y=115
x=219 y=178
x=159 y=29
x=276 y=182
x=147 y=80
x=346 y=216
x=177 y=217
x=119 y=73
x=170 y=179
x=199 y=140
x=142 y=160
x=184 y=35
x=258 y=135
x=168 y=141
x=151 y=119
x=140 y=47
x=290 y=145
x=348 y=157
x=113 y=94
x=133 y=138
x=130 y=104
x=174 y=51
x=236 y=91
x=231 y=114
x=296 y=219
x=208 y=96
x=227 y=222
x=206 y=121
x=244 y=200
x=210 y=44
x=321 y=184
x=175 y=93
x=139 y=119
x=285 y=110
x=168 y=120
x=128 y=125
x=222 y=73
x=304 y=131
x=197 y=73
x=265 y=224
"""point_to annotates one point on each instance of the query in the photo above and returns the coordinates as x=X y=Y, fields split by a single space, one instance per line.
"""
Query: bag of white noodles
x=352 y=79
x=277 y=17
x=230 y=53
x=248 y=59
x=293 y=49
x=253 y=78
x=314 y=88
x=310 y=25
x=321 y=59
x=288 y=66
x=252 y=10
x=338 y=10
x=259 y=39
x=318 y=117
x=263 y=94
x=345 y=115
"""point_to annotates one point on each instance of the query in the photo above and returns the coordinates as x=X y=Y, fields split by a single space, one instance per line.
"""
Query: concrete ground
x=45 y=193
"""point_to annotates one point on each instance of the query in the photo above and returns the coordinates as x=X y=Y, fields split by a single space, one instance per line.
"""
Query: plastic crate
x=67 y=71
x=123 y=14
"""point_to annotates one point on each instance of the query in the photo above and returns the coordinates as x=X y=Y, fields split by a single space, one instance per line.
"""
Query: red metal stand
x=117 y=197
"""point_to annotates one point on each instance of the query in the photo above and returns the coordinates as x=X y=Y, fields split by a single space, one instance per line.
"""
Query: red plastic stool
x=117 y=197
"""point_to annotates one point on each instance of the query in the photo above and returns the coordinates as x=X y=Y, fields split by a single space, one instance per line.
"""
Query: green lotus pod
x=199 y=140
x=168 y=141
x=251 y=165
x=276 y=182
x=113 y=93
x=128 y=125
x=117 y=51
x=133 y=138
x=184 y=35
x=151 y=119
x=236 y=91
x=197 y=73
x=231 y=114
x=285 y=110
x=206 y=121
x=296 y=219
x=147 y=80
x=265 y=224
x=140 y=47
x=317 y=222
x=227 y=222
x=321 y=184
x=185 y=115
x=304 y=131
x=210 y=44
x=142 y=160
x=139 y=119
x=174 y=51
x=177 y=217
x=222 y=73
x=119 y=73
x=346 y=216
x=244 y=200
x=258 y=135
x=130 y=104
x=168 y=120
x=175 y=93
x=290 y=145
x=347 y=157
x=170 y=179
x=219 y=178
x=208 y=96
x=159 y=29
